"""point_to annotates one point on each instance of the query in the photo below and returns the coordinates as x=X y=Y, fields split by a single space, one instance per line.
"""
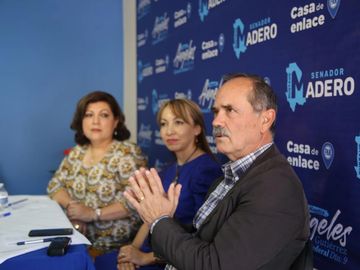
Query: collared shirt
x=233 y=170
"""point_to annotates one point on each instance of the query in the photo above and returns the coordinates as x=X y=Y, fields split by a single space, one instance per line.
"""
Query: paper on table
x=38 y=212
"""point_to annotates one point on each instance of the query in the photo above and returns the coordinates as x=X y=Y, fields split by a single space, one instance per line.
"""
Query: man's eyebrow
x=227 y=106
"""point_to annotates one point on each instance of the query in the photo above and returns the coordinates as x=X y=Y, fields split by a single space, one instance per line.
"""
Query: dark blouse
x=195 y=177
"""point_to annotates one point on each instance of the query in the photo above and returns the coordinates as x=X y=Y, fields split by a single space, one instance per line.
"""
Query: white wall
x=130 y=86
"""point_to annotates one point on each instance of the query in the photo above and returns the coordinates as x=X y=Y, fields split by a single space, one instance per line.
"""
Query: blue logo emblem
x=328 y=153
x=161 y=27
x=207 y=96
x=154 y=101
x=333 y=7
x=144 y=70
x=140 y=77
x=160 y=165
x=144 y=135
x=221 y=42
x=203 y=9
x=157 y=100
x=357 y=167
x=239 y=38
x=188 y=9
x=294 y=96
x=143 y=8
x=184 y=58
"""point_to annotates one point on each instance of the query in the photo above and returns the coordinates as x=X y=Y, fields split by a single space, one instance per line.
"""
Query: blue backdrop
x=309 y=52
x=51 y=54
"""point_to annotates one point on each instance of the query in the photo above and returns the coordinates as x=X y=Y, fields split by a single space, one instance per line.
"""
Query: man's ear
x=267 y=118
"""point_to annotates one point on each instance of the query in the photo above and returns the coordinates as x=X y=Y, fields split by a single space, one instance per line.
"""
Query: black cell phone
x=50 y=232
x=59 y=246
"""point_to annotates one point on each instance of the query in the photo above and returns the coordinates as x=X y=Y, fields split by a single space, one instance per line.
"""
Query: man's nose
x=218 y=119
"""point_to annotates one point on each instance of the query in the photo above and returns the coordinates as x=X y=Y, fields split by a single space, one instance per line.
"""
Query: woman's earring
x=115 y=132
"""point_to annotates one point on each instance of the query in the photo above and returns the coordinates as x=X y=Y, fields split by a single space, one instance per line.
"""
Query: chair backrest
x=305 y=259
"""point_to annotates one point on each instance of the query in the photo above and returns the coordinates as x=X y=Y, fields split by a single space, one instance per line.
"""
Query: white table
x=37 y=212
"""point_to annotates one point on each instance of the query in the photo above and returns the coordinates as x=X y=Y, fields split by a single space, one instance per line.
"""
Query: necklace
x=177 y=169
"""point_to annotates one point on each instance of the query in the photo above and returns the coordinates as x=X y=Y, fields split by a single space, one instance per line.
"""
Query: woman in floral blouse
x=90 y=181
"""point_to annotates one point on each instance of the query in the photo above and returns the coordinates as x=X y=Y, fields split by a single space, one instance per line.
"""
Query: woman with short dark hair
x=90 y=181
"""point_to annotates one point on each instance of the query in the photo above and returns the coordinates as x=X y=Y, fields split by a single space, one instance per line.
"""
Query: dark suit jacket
x=262 y=223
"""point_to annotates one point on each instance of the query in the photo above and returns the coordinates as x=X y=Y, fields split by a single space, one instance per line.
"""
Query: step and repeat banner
x=309 y=52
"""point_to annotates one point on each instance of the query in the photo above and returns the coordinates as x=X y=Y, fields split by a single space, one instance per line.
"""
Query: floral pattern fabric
x=101 y=185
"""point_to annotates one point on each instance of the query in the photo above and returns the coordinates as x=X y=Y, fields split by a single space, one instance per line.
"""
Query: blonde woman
x=182 y=129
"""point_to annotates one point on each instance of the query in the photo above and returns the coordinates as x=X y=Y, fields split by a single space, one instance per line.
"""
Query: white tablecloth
x=37 y=212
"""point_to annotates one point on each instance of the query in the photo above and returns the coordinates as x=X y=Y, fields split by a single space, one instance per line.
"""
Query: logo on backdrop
x=203 y=9
x=160 y=165
x=206 y=5
x=184 y=59
x=327 y=153
x=357 y=167
x=259 y=31
x=157 y=100
x=306 y=17
x=158 y=140
x=211 y=48
x=208 y=93
x=295 y=89
x=142 y=103
x=311 y=15
x=182 y=16
x=142 y=38
x=183 y=95
x=239 y=38
x=328 y=235
x=221 y=42
x=327 y=83
x=143 y=8
x=333 y=7
x=144 y=135
x=161 y=28
x=212 y=144
x=303 y=155
x=162 y=64
x=307 y=157
x=144 y=70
